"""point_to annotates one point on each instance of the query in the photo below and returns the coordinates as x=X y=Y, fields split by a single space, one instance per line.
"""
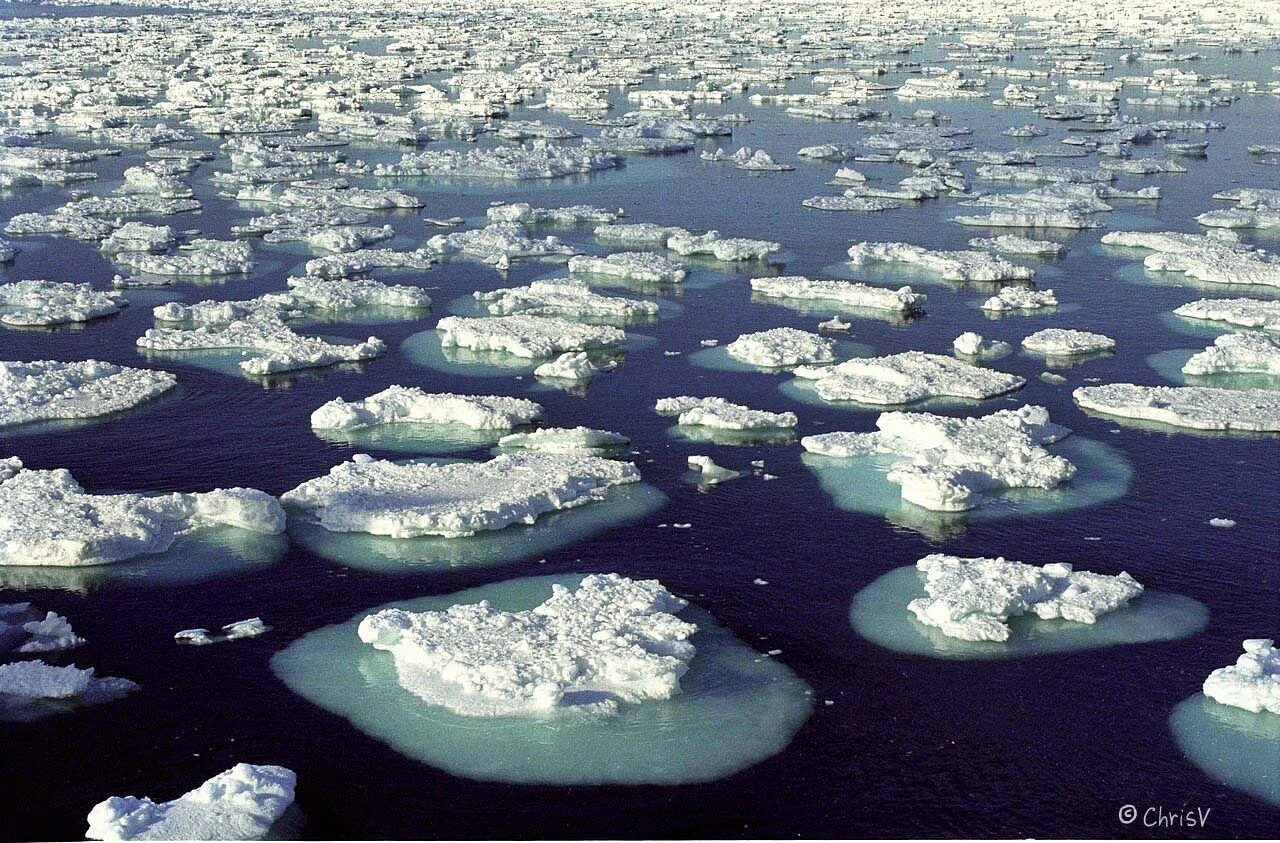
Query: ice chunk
x=782 y=347
x=1253 y=682
x=564 y=297
x=964 y=265
x=1217 y=257
x=949 y=463
x=973 y=599
x=525 y=336
x=1197 y=407
x=23 y=626
x=721 y=414
x=34 y=303
x=709 y=472
x=456 y=499
x=1246 y=313
x=1013 y=244
x=1250 y=351
x=573 y=366
x=906 y=378
x=498 y=244
x=1020 y=298
x=972 y=344
x=507 y=163
x=248 y=628
x=562 y=440
x=411 y=404
x=200 y=257
x=48 y=389
x=727 y=249
x=241 y=803
x=346 y=264
x=1066 y=342
x=643 y=267
x=847 y=293
x=25 y=682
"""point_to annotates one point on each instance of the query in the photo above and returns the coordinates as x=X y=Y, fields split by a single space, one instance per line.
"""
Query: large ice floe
x=963 y=265
x=1243 y=353
x=42 y=304
x=1257 y=314
x=905 y=378
x=779 y=348
x=565 y=297
x=557 y=680
x=1217 y=257
x=49 y=390
x=1194 y=407
x=242 y=803
x=525 y=336
x=842 y=295
x=33 y=689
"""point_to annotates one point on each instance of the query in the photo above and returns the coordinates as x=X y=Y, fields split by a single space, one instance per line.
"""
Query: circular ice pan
x=738 y=707
x=718 y=358
x=879 y=614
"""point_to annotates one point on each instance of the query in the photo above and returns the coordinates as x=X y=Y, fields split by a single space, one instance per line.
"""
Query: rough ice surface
x=563 y=297
x=972 y=344
x=200 y=257
x=525 y=336
x=721 y=414
x=782 y=347
x=346 y=264
x=728 y=249
x=505 y=163
x=1020 y=298
x=199 y=636
x=642 y=267
x=1217 y=257
x=523 y=212
x=305 y=295
x=398 y=404
x=612 y=641
x=906 y=378
x=1259 y=314
x=46 y=518
x=35 y=303
x=31 y=688
x=1015 y=244
x=1196 y=407
x=44 y=390
x=562 y=440
x=1250 y=351
x=973 y=599
x=241 y=803
x=1253 y=682
x=456 y=499
x=498 y=244
x=950 y=463
x=573 y=366
x=846 y=293
x=276 y=346
x=1067 y=342
x=710 y=472
x=25 y=630
x=964 y=265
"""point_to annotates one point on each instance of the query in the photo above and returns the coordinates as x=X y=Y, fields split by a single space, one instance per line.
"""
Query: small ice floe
x=721 y=414
x=847 y=293
x=781 y=347
x=1196 y=407
x=708 y=343
x=454 y=499
x=1217 y=257
x=865 y=204
x=498 y=244
x=347 y=264
x=972 y=344
x=25 y=630
x=401 y=404
x=139 y=237
x=241 y=803
x=828 y=152
x=198 y=637
x=1066 y=342
x=728 y=249
x=564 y=297
x=576 y=366
x=565 y=440
x=1020 y=299
x=1258 y=314
x=46 y=518
x=1053 y=378
x=973 y=599
x=525 y=336
x=201 y=257
x=31 y=689
x=42 y=304
x=906 y=378
x=451 y=222
x=1250 y=351
x=964 y=265
x=1253 y=682
x=523 y=212
x=305 y=296
x=504 y=162
x=709 y=472
x=1014 y=244
x=640 y=267
x=45 y=390
x=949 y=463
x=1224 y=523
x=836 y=325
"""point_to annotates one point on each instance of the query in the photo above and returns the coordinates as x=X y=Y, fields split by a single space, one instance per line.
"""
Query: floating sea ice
x=241 y=803
x=523 y=212
x=1253 y=682
x=34 y=303
x=397 y=404
x=8 y=251
x=361 y=261
x=23 y=626
x=643 y=267
x=1065 y=342
x=455 y=499
x=139 y=237
x=866 y=204
x=512 y=163
x=636 y=233
x=973 y=599
x=1224 y=523
x=498 y=244
x=200 y=257
x=949 y=463
x=972 y=344
x=709 y=472
x=1247 y=313
x=1216 y=257
x=782 y=347
x=564 y=440
x=828 y=152
x=280 y=348
x=199 y=637
x=905 y=378
x=46 y=518
x=29 y=688
x=964 y=265
x=574 y=366
x=45 y=390
x=1029 y=219
x=564 y=297
x=728 y=249
x=1197 y=407
x=849 y=293
x=721 y=414
x=1250 y=351
x=835 y=323
x=1013 y=244
x=1020 y=298
x=525 y=336
x=758 y=161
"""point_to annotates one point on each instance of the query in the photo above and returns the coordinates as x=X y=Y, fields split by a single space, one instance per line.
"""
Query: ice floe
x=1067 y=342
x=564 y=297
x=1249 y=351
x=1020 y=299
x=964 y=265
x=906 y=378
x=525 y=336
x=32 y=689
x=40 y=304
x=781 y=348
x=46 y=390
x=849 y=294
x=1196 y=407
x=721 y=414
x=1253 y=682
x=1245 y=313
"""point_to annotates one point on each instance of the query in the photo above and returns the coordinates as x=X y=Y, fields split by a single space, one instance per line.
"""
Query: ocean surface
x=896 y=744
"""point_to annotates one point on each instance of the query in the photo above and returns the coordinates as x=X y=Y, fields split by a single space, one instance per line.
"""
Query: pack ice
x=563 y=297
x=781 y=347
x=1217 y=257
x=963 y=265
x=36 y=303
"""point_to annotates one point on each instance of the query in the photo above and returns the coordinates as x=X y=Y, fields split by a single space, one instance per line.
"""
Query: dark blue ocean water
x=910 y=746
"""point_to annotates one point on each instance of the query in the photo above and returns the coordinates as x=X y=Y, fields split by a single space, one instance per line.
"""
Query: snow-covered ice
x=846 y=293
x=1196 y=407
x=906 y=378
x=1253 y=682
x=1067 y=342
x=399 y=404
x=44 y=390
x=37 y=303
x=721 y=414
x=782 y=347
x=1249 y=351
x=525 y=336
